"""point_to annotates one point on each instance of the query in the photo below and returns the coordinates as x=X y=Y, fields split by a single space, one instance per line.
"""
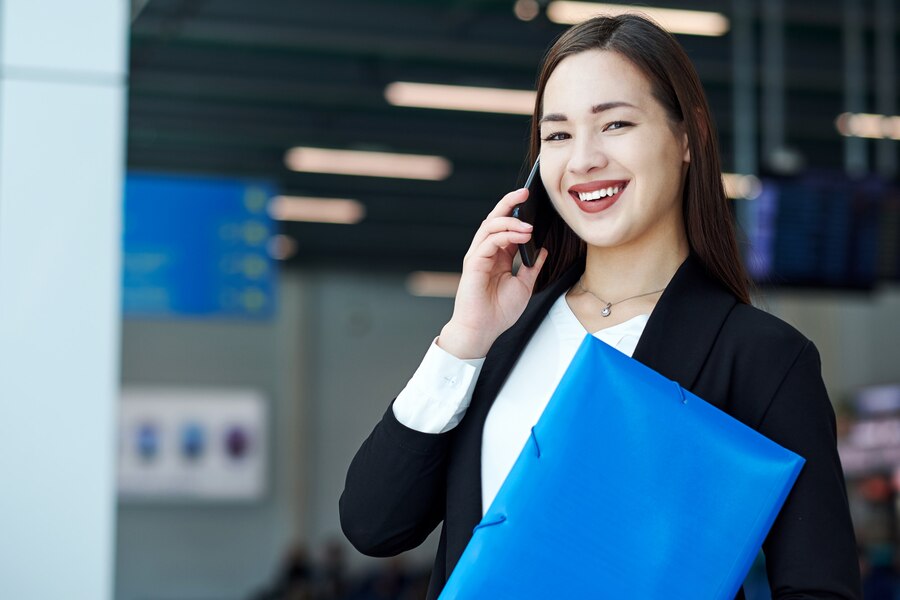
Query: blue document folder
x=629 y=487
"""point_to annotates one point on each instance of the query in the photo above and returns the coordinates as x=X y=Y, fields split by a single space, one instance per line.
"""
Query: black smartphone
x=535 y=212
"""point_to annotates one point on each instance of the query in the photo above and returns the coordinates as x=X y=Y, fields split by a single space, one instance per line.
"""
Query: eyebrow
x=597 y=108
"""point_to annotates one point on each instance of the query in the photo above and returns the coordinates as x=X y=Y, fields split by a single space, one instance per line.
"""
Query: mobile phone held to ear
x=535 y=212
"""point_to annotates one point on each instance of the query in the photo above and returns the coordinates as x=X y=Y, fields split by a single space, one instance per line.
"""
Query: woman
x=642 y=253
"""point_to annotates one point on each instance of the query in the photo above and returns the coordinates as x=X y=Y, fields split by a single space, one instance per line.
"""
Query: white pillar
x=63 y=73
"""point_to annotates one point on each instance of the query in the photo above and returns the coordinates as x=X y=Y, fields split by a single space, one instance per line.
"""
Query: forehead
x=592 y=77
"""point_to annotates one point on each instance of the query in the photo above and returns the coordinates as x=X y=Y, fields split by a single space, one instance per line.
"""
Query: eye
x=557 y=136
x=617 y=125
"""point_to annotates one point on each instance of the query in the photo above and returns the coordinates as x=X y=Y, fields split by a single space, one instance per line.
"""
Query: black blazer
x=403 y=483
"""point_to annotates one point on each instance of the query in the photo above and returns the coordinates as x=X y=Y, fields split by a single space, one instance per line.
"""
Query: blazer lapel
x=684 y=324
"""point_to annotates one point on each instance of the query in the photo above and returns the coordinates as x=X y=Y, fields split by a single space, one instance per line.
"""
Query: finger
x=497 y=225
x=528 y=275
x=502 y=209
x=499 y=241
x=507 y=203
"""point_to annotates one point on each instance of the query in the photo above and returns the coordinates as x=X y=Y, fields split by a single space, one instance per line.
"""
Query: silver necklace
x=607 y=310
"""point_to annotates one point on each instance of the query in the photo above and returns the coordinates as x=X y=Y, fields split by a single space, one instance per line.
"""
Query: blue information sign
x=197 y=247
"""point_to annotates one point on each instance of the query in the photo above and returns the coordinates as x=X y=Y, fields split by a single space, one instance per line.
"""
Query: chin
x=600 y=239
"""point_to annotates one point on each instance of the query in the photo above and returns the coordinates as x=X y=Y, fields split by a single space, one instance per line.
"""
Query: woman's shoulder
x=760 y=353
x=761 y=338
x=763 y=327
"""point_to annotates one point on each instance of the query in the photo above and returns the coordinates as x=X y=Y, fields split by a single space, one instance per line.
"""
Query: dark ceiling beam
x=296 y=38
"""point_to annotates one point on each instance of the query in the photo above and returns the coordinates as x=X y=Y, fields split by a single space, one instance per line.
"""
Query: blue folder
x=629 y=487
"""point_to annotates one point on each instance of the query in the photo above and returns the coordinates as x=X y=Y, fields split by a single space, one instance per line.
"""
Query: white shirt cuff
x=438 y=394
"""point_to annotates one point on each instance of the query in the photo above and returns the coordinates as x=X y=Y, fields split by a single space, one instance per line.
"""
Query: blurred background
x=251 y=230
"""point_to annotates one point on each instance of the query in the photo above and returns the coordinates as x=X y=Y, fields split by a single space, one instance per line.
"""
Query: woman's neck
x=624 y=271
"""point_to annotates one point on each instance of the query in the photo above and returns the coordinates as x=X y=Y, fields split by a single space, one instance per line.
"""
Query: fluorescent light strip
x=460 y=97
x=317 y=210
x=868 y=125
x=432 y=284
x=368 y=164
x=744 y=187
x=690 y=22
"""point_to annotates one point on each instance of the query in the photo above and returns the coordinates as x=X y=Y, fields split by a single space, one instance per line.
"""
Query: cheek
x=656 y=163
x=667 y=150
x=551 y=171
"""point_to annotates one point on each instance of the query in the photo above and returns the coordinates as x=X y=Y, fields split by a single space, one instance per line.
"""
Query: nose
x=587 y=154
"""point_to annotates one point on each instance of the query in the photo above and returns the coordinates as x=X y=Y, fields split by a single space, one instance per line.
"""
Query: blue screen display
x=197 y=247
x=819 y=229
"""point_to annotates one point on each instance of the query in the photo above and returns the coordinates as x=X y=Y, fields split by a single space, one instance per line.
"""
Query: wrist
x=463 y=342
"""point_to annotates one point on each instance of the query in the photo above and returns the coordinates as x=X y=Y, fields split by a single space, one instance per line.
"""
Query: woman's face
x=611 y=160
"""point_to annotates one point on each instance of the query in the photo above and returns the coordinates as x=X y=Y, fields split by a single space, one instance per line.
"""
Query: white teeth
x=597 y=194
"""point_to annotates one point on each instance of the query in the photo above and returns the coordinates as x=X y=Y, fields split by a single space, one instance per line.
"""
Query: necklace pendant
x=606 y=310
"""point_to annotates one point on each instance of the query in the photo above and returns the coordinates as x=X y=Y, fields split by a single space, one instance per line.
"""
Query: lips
x=597 y=196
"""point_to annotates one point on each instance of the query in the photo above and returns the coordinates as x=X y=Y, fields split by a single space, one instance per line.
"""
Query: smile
x=597 y=196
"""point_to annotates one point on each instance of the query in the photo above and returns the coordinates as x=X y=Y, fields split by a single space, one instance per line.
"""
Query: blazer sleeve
x=394 y=494
x=811 y=548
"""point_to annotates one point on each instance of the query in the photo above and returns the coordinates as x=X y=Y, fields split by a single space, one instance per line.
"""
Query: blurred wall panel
x=223 y=550
x=62 y=95
x=369 y=337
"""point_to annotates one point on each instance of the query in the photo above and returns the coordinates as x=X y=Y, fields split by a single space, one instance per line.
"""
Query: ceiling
x=227 y=86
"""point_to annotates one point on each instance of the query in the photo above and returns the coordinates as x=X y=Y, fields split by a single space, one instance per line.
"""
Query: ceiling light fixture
x=317 y=210
x=460 y=97
x=743 y=187
x=868 y=125
x=526 y=10
x=368 y=164
x=690 y=22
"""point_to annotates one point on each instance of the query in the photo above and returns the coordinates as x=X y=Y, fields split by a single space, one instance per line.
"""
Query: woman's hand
x=490 y=298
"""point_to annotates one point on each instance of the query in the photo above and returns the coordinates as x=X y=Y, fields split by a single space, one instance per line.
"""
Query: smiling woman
x=639 y=59
x=603 y=131
x=640 y=253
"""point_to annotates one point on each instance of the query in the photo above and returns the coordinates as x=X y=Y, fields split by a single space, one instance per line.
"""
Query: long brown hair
x=675 y=84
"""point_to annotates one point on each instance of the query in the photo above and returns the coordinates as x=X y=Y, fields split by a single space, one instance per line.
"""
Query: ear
x=686 y=157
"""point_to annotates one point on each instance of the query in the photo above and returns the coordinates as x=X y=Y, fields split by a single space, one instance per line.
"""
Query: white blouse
x=439 y=392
